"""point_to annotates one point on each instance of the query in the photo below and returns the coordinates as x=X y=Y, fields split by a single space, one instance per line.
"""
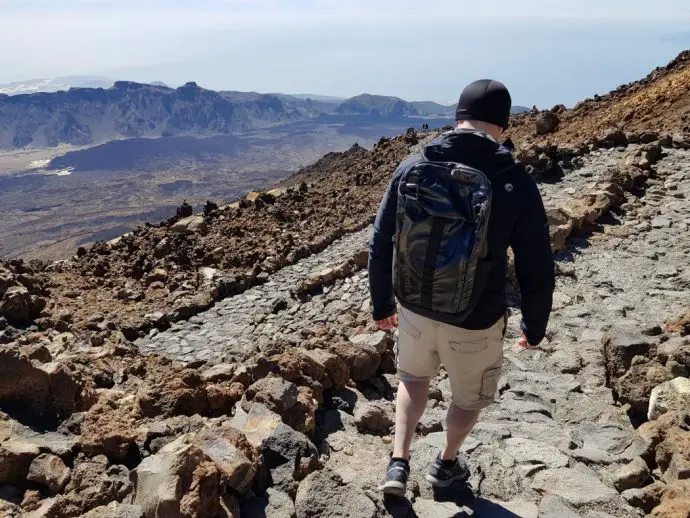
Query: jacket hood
x=470 y=147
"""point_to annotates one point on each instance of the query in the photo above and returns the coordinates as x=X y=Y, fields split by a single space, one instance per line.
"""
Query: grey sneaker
x=442 y=475
x=396 y=478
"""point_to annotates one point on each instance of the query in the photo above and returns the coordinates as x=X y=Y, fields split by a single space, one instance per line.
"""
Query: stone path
x=238 y=324
x=553 y=441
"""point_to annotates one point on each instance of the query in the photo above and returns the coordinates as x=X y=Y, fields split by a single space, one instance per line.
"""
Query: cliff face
x=90 y=115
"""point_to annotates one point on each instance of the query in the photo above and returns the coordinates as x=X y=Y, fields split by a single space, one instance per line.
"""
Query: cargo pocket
x=406 y=327
x=469 y=346
x=490 y=379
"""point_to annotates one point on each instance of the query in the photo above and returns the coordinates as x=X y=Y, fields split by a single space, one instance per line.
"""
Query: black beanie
x=485 y=100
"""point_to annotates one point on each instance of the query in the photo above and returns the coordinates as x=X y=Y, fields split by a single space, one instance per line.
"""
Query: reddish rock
x=362 y=360
x=336 y=371
x=222 y=398
x=238 y=461
x=49 y=471
x=109 y=430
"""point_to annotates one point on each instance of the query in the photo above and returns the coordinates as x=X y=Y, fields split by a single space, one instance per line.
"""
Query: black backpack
x=441 y=258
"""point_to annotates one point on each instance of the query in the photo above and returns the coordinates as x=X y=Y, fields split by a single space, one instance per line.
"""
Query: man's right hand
x=388 y=324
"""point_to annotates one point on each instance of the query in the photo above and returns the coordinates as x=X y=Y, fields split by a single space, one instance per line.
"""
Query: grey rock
x=566 y=361
x=632 y=475
x=274 y=504
x=573 y=486
x=116 y=510
x=533 y=452
x=279 y=443
x=163 y=479
x=553 y=507
x=375 y=416
x=378 y=340
x=219 y=372
x=323 y=494
x=609 y=438
x=520 y=406
x=276 y=393
x=424 y=508
x=592 y=456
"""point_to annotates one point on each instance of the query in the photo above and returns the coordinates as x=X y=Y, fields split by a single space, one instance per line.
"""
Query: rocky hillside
x=223 y=364
x=660 y=101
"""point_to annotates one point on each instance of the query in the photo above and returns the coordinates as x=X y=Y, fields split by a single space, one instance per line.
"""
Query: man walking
x=440 y=246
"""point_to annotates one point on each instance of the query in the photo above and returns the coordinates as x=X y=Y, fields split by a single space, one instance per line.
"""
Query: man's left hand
x=522 y=344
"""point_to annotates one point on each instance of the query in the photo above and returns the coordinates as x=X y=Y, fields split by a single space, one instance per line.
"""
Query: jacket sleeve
x=381 y=254
x=534 y=264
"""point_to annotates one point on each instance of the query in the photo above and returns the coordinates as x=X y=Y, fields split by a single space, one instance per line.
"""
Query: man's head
x=485 y=105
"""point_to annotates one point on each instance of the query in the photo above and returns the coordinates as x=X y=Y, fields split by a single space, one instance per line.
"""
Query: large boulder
x=620 y=347
x=635 y=386
x=179 y=481
x=632 y=475
x=277 y=394
x=20 y=445
x=172 y=392
x=274 y=504
x=298 y=366
x=191 y=225
x=93 y=483
x=336 y=373
x=49 y=471
x=41 y=394
x=238 y=461
x=363 y=360
x=288 y=454
x=109 y=430
x=547 y=122
x=572 y=486
x=15 y=305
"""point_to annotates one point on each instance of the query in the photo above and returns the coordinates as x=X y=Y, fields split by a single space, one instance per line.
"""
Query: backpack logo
x=508 y=187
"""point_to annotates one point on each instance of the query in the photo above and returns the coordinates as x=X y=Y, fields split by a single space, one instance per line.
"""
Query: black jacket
x=517 y=220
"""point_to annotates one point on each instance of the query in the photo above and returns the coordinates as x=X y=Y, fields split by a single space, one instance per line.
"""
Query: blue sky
x=547 y=52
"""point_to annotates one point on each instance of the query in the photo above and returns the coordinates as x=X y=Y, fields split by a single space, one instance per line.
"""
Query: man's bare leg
x=459 y=423
x=409 y=408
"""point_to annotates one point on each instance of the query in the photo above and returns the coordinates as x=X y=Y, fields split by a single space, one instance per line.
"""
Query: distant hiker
x=439 y=244
x=185 y=210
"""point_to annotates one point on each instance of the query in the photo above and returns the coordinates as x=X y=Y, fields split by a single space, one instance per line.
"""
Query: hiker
x=440 y=245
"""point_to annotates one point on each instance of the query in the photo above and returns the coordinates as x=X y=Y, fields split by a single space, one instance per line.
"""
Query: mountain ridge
x=86 y=116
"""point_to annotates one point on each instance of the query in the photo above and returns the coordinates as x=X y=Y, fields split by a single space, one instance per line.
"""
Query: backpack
x=441 y=262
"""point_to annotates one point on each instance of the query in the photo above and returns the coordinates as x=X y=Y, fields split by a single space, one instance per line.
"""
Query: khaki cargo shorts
x=473 y=359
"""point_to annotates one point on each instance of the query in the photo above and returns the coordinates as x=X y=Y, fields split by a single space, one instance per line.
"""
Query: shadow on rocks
x=460 y=494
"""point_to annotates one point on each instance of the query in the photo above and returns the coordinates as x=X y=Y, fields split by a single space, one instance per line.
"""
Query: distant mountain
x=86 y=115
x=83 y=116
x=377 y=105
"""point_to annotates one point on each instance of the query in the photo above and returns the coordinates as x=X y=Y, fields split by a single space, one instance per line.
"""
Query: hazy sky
x=546 y=51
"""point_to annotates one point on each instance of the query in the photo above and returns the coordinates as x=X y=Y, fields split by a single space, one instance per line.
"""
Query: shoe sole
x=445 y=483
x=394 y=488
